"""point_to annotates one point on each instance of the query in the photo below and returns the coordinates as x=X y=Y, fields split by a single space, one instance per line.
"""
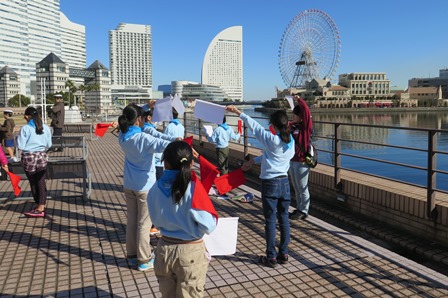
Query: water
x=415 y=139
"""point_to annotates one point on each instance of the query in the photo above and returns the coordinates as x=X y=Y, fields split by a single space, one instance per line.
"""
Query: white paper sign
x=178 y=105
x=290 y=101
x=210 y=112
x=222 y=241
x=208 y=129
x=163 y=110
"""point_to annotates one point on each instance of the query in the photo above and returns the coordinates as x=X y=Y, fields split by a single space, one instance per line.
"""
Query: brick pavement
x=78 y=250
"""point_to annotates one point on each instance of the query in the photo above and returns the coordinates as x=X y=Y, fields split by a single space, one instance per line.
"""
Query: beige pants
x=181 y=269
x=138 y=226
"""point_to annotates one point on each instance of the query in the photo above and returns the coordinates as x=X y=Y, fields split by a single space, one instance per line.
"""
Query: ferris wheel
x=310 y=48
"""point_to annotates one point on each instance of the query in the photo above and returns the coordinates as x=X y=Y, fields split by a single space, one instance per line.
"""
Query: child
x=278 y=150
x=139 y=176
x=175 y=128
x=301 y=130
x=221 y=136
x=181 y=262
x=34 y=140
x=7 y=130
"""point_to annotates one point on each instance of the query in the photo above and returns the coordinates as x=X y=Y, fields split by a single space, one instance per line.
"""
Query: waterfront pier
x=78 y=249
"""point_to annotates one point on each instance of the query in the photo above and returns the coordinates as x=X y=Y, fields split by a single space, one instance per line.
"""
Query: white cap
x=8 y=111
x=58 y=95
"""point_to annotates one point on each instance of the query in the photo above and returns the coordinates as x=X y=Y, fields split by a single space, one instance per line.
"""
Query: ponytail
x=280 y=120
x=179 y=156
x=35 y=115
x=129 y=116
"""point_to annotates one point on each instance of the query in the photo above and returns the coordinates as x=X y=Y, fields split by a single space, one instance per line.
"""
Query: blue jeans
x=299 y=176
x=276 y=198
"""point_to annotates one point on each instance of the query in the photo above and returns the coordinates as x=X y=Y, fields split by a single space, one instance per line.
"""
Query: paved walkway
x=78 y=250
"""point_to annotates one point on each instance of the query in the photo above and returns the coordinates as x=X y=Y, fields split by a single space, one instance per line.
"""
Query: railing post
x=185 y=124
x=337 y=157
x=431 y=183
x=200 y=131
x=245 y=142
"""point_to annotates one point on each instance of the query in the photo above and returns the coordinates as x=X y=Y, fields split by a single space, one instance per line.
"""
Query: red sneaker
x=35 y=213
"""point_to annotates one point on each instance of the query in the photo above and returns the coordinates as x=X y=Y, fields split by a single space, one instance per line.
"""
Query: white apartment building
x=73 y=45
x=223 y=62
x=130 y=50
x=30 y=29
x=366 y=84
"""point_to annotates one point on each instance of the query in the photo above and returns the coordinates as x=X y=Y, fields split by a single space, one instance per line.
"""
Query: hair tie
x=184 y=159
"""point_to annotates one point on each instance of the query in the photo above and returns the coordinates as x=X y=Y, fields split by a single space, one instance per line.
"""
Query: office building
x=31 y=29
x=203 y=92
x=130 y=50
x=366 y=84
x=9 y=85
x=223 y=62
x=440 y=81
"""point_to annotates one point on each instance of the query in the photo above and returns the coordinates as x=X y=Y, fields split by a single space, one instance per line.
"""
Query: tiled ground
x=78 y=250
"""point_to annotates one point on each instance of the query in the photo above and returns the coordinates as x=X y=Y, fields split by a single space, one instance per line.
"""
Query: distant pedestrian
x=278 y=149
x=181 y=262
x=301 y=130
x=57 y=117
x=34 y=140
x=7 y=133
x=221 y=136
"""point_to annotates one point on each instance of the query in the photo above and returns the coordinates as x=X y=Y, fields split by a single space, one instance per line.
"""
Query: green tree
x=72 y=89
x=14 y=101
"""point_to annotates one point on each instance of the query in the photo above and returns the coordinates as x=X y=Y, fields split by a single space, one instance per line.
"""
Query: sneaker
x=132 y=262
x=267 y=262
x=294 y=215
x=35 y=213
x=146 y=266
x=282 y=259
x=154 y=231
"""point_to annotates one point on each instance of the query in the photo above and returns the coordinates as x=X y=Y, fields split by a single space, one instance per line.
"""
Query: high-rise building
x=73 y=43
x=223 y=62
x=130 y=50
x=30 y=29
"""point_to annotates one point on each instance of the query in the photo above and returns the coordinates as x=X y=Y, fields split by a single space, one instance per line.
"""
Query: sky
x=404 y=39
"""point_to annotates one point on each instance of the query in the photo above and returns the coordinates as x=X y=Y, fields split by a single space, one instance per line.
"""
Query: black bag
x=311 y=156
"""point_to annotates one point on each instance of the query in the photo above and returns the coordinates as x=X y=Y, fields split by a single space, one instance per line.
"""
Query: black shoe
x=304 y=216
x=282 y=259
x=294 y=215
x=267 y=262
x=61 y=149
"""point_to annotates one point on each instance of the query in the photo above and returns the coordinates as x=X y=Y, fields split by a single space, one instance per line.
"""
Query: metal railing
x=337 y=151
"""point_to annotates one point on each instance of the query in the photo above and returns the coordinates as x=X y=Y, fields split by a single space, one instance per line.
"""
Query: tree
x=14 y=101
x=72 y=89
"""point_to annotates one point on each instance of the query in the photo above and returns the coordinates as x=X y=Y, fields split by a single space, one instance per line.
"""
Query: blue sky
x=404 y=39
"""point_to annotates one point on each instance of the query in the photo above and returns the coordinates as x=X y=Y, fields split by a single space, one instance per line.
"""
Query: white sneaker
x=13 y=159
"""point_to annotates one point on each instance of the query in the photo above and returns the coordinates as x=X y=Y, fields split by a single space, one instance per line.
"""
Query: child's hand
x=247 y=165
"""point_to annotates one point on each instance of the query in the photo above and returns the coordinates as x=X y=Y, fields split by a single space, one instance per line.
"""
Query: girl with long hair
x=278 y=149
x=139 y=176
x=301 y=130
x=34 y=140
x=180 y=262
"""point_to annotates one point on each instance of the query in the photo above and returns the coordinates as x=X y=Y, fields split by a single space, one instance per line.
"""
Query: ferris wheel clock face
x=310 y=49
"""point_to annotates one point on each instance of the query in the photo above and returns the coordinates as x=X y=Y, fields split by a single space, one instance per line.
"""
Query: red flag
x=272 y=130
x=101 y=128
x=208 y=173
x=240 y=126
x=15 y=179
x=201 y=200
x=189 y=140
x=227 y=182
